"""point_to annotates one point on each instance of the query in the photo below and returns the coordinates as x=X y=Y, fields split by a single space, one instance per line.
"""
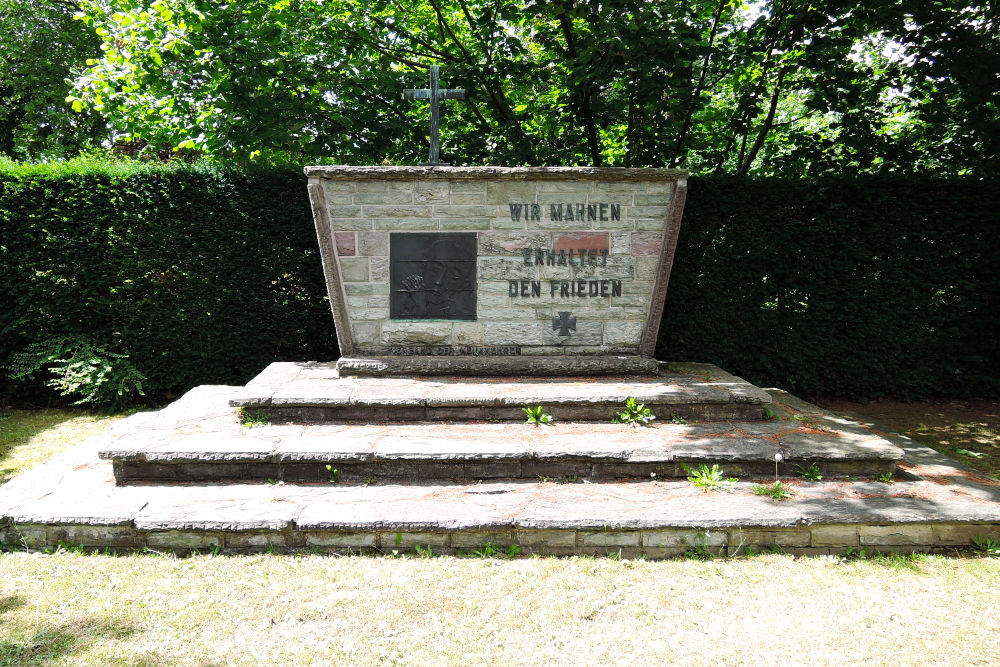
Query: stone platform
x=319 y=392
x=934 y=504
x=200 y=439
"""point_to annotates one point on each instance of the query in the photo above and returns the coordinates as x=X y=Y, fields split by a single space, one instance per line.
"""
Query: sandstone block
x=354 y=269
x=513 y=333
x=511 y=243
x=465 y=211
x=468 y=333
x=616 y=538
x=397 y=212
x=896 y=535
x=365 y=289
x=407 y=224
x=545 y=538
x=432 y=192
x=549 y=187
x=345 y=243
x=833 y=535
x=373 y=244
x=506 y=192
x=415 y=333
x=623 y=333
x=339 y=540
x=411 y=540
x=465 y=224
x=383 y=197
x=343 y=212
x=646 y=268
x=379 y=269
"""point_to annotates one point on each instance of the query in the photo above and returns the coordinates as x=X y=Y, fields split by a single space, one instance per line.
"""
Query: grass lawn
x=28 y=437
x=71 y=608
x=367 y=610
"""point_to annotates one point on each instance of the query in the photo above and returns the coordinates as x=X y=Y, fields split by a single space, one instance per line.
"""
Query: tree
x=40 y=44
x=721 y=86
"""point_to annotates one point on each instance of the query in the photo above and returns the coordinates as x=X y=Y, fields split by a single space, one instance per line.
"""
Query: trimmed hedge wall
x=200 y=276
x=858 y=288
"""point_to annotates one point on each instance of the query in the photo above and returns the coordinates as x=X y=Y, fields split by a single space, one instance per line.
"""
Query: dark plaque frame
x=432 y=275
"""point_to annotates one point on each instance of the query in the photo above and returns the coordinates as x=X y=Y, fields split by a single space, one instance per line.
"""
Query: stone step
x=317 y=392
x=198 y=438
x=74 y=500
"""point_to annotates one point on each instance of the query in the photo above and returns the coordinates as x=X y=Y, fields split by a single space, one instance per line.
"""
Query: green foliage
x=677 y=419
x=537 y=416
x=709 y=479
x=698 y=549
x=254 y=418
x=40 y=46
x=886 y=478
x=333 y=473
x=777 y=490
x=811 y=473
x=80 y=369
x=491 y=550
x=634 y=413
x=863 y=288
x=723 y=87
x=986 y=546
x=853 y=553
x=200 y=274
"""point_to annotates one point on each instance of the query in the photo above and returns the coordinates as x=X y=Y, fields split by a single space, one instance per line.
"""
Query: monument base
x=512 y=366
x=206 y=482
x=325 y=392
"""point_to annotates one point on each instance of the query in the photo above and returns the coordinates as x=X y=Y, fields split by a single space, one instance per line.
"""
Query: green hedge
x=200 y=275
x=859 y=288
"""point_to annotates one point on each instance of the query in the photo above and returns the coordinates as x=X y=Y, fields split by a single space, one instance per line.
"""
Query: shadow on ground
x=45 y=643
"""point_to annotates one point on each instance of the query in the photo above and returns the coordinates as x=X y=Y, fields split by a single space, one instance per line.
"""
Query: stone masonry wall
x=529 y=265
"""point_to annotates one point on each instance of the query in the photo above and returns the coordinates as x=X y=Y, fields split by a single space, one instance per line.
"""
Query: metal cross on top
x=434 y=94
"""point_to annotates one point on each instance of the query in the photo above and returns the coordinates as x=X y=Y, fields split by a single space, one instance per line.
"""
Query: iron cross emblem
x=564 y=323
x=434 y=94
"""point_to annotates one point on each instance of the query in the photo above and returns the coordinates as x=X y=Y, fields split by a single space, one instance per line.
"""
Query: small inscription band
x=457 y=351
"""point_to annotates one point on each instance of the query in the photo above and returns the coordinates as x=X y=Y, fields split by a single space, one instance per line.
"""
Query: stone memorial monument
x=463 y=296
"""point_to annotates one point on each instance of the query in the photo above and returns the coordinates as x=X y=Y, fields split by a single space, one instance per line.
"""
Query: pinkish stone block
x=586 y=240
x=646 y=243
x=345 y=244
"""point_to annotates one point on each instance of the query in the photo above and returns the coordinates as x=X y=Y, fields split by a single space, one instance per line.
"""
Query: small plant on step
x=537 y=416
x=778 y=491
x=886 y=478
x=677 y=419
x=986 y=546
x=634 y=413
x=334 y=474
x=810 y=473
x=709 y=479
x=252 y=418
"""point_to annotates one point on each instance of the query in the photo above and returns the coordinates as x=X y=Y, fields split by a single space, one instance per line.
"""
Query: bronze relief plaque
x=432 y=276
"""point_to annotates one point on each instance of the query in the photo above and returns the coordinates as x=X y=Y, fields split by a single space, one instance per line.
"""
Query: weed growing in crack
x=709 y=479
x=778 y=491
x=537 y=416
x=634 y=413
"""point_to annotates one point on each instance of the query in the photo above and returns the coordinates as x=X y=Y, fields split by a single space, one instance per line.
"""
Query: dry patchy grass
x=968 y=431
x=28 y=437
x=368 y=610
